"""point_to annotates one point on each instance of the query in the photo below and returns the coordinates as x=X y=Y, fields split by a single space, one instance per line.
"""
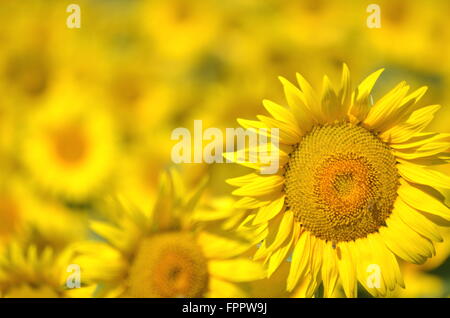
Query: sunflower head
x=353 y=187
x=167 y=252
x=341 y=182
x=74 y=142
x=169 y=265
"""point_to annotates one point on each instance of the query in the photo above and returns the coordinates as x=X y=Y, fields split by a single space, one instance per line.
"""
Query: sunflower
x=354 y=189
x=29 y=272
x=69 y=149
x=165 y=252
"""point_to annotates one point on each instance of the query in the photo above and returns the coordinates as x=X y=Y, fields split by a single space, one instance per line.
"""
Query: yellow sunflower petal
x=418 y=120
x=398 y=240
x=388 y=263
x=300 y=260
x=424 y=246
x=219 y=288
x=331 y=105
x=368 y=264
x=421 y=175
x=100 y=263
x=284 y=230
x=311 y=98
x=298 y=105
x=315 y=265
x=264 y=185
x=249 y=203
x=360 y=105
x=256 y=124
x=346 y=266
x=345 y=91
x=423 y=201
x=416 y=95
x=288 y=134
x=385 y=111
x=418 y=222
x=216 y=246
x=330 y=271
x=427 y=150
x=280 y=255
x=236 y=270
x=420 y=139
x=279 y=231
x=280 y=113
x=268 y=212
x=242 y=180
x=111 y=233
x=404 y=109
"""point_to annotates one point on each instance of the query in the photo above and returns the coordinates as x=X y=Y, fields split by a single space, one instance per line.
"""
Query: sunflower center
x=341 y=182
x=168 y=265
x=70 y=144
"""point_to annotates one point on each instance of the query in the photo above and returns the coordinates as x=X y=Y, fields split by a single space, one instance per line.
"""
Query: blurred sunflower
x=28 y=63
x=353 y=189
x=70 y=150
x=165 y=253
x=27 y=272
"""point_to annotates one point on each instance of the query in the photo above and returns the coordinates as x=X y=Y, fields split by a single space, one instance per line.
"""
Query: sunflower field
x=95 y=203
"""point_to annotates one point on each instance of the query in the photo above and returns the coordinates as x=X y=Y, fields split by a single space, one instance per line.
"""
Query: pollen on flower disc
x=168 y=265
x=341 y=182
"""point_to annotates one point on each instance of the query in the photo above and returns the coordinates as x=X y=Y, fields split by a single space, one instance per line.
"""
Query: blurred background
x=88 y=112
